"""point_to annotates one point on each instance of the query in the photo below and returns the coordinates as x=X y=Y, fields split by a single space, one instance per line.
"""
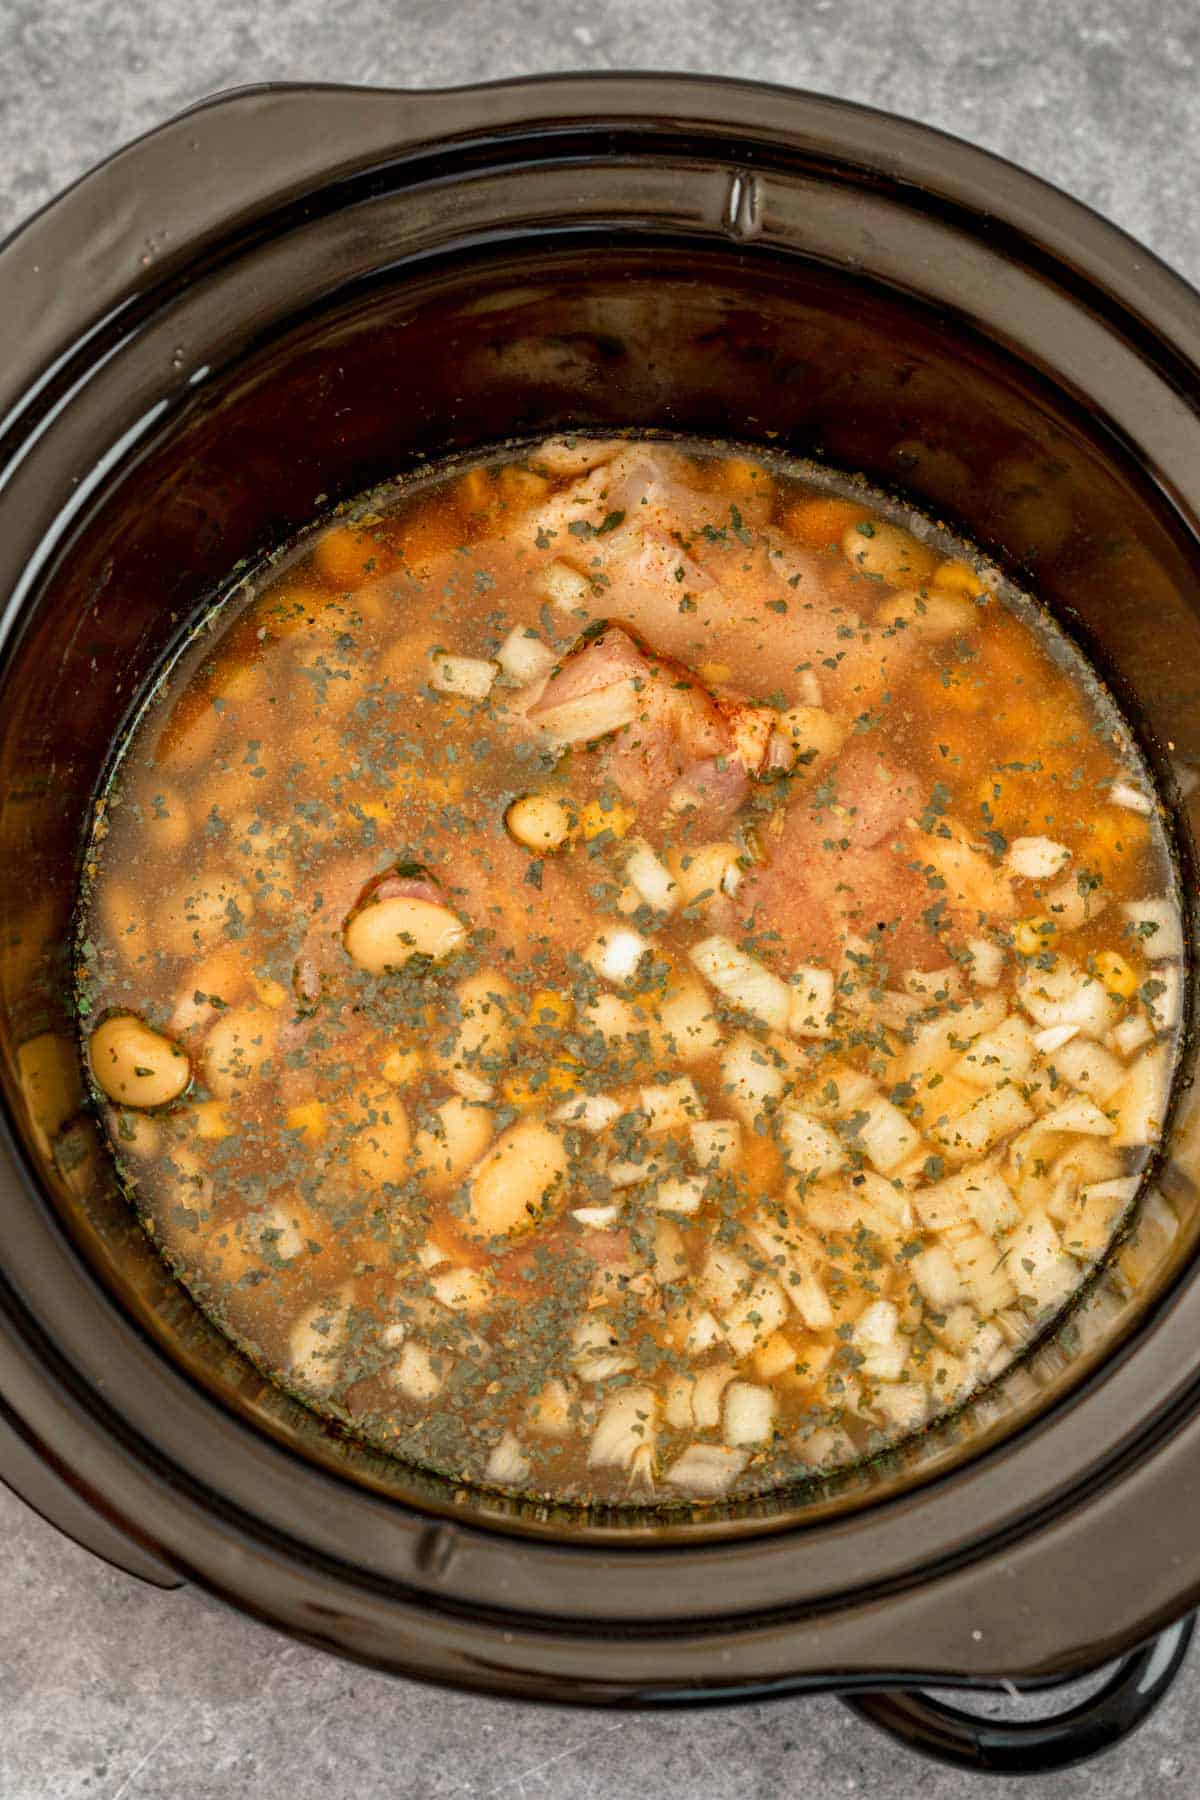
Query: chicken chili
x=624 y=974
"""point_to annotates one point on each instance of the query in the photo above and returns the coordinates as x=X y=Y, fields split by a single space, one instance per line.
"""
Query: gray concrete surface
x=112 y=1691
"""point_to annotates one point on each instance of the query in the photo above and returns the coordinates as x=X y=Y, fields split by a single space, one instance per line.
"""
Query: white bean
x=456 y=1137
x=237 y=1049
x=541 y=822
x=386 y=933
x=135 y=1065
x=518 y=1180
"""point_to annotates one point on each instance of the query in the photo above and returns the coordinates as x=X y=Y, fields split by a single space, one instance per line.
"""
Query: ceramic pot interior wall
x=719 y=344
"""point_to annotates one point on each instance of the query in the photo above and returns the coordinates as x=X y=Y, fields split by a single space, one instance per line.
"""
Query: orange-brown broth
x=298 y=750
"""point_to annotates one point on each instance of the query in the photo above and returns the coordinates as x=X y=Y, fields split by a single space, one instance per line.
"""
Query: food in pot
x=629 y=973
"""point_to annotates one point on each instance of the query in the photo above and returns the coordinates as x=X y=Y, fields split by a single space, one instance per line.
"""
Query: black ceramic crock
x=288 y=294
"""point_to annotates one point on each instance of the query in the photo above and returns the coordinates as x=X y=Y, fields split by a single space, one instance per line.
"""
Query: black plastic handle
x=1037 y=1746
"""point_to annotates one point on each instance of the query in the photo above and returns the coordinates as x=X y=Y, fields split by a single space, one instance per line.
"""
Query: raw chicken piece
x=841 y=868
x=674 y=743
x=686 y=570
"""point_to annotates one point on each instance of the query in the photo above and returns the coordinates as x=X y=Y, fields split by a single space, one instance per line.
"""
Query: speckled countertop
x=113 y=1691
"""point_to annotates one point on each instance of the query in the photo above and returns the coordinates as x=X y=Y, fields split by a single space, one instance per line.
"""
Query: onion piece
x=671 y=1105
x=743 y=982
x=597 y=1218
x=651 y=877
x=987 y=961
x=596 y=1349
x=1037 y=858
x=625 y=1432
x=751 y=1077
x=748 y=1414
x=810 y=1012
x=716 y=1143
x=680 y=1194
x=564 y=587
x=470 y=676
x=707 y=1469
x=993 y=1116
x=1123 y=793
x=810 y=1147
x=1154 y=926
x=1066 y=995
x=590 y=1112
x=523 y=657
x=616 y=954
x=508 y=1464
x=1141 y=1103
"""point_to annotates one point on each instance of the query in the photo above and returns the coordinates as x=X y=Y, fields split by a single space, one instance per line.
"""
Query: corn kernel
x=310 y=1119
x=1118 y=976
x=596 y=819
x=212 y=1121
x=346 y=556
x=540 y=1087
x=1033 y=935
x=271 y=993
x=821 y=523
x=400 y=1067
x=475 y=492
x=958 y=578
x=774 y=1357
x=550 y=1011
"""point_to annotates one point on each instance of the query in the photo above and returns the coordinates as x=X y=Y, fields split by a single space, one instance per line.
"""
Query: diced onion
x=1154 y=926
x=1123 y=793
x=811 y=1148
x=523 y=657
x=471 y=676
x=707 y=1469
x=1004 y=1054
x=508 y=1464
x=1037 y=1265
x=751 y=1077
x=1085 y=1065
x=671 y=1104
x=1053 y=1038
x=937 y=1277
x=749 y=1414
x=1141 y=1104
x=716 y=1143
x=1165 y=1005
x=597 y=1351
x=564 y=586
x=597 y=1218
x=625 y=1432
x=1065 y=995
x=681 y=1194
x=987 y=961
x=1036 y=858
x=743 y=982
x=1131 y=1034
x=886 y=1137
x=616 y=954
x=590 y=1112
x=419 y=1374
x=878 y=1341
x=750 y=1321
x=652 y=878
x=992 y=1117
x=811 y=1008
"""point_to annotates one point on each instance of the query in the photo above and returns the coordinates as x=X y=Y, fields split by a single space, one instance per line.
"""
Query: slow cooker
x=289 y=294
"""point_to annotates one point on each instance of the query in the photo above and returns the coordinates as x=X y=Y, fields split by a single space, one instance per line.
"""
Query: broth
x=625 y=974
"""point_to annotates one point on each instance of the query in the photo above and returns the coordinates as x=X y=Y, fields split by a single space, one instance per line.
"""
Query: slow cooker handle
x=1037 y=1746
